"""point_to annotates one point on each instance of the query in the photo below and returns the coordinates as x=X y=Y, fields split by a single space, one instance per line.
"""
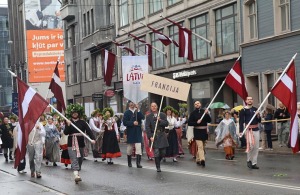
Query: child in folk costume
x=96 y=123
x=110 y=146
x=63 y=142
x=52 y=142
x=226 y=135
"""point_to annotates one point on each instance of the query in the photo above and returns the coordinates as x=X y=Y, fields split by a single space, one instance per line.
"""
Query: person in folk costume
x=35 y=145
x=76 y=139
x=6 y=131
x=200 y=130
x=133 y=121
x=44 y=123
x=172 y=150
x=149 y=153
x=226 y=135
x=52 y=142
x=178 y=128
x=110 y=146
x=252 y=133
x=63 y=142
x=160 y=141
x=95 y=123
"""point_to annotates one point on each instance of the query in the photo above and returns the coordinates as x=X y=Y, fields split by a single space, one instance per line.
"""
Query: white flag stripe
x=162 y=37
x=186 y=40
x=57 y=80
x=288 y=82
x=27 y=99
x=294 y=132
x=105 y=61
x=236 y=76
x=20 y=134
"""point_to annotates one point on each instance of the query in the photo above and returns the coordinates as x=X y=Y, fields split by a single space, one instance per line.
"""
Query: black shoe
x=95 y=160
x=138 y=161
x=249 y=164
x=157 y=163
x=47 y=162
x=84 y=158
x=232 y=158
x=54 y=164
x=103 y=159
x=255 y=167
x=66 y=165
x=6 y=157
x=202 y=162
x=129 y=161
x=198 y=163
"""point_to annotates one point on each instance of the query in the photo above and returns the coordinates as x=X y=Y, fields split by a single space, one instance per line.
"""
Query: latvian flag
x=125 y=48
x=109 y=64
x=56 y=87
x=163 y=38
x=31 y=107
x=148 y=48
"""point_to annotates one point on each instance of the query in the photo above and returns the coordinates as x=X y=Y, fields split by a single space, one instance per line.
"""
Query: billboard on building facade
x=44 y=39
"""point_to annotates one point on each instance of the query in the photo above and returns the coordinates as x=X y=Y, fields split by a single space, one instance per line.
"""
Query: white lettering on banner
x=184 y=74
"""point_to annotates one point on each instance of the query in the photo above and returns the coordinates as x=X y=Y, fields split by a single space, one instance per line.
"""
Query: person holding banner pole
x=252 y=133
x=199 y=119
x=158 y=137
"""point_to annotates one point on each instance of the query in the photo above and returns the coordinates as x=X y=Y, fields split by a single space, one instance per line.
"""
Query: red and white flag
x=163 y=38
x=148 y=48
x=56 y=87
x=109 y=64
x=235 y=80
x=132 y=53
x=286 y=91
x=31 y=107
x=185 y=41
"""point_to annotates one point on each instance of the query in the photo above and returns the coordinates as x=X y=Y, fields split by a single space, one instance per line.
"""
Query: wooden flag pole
x=161 y=101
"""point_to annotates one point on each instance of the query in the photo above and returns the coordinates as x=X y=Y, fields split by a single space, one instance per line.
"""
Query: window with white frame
x=174 y=34
x=92 y=20
x=155 y=5
x=124 y=52
x=140 y=47
x=200 y=25
x=158 y=58
x=138 y=9
x=97 y=66
x=84 y=25
x=284 y=6
x=123 y=13
x=252 y=20
x=226 y=30
x=87 y=70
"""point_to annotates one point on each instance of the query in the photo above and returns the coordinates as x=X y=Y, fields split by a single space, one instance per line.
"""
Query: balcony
x=68 y=10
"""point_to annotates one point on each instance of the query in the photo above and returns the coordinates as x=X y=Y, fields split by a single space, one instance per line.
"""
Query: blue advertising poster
x=15 y=107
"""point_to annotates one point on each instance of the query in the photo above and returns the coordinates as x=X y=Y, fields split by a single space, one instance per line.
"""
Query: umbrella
x=238 y=108
x=219 y=105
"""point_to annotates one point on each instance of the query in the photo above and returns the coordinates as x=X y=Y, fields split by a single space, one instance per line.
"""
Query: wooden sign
x=165 y=87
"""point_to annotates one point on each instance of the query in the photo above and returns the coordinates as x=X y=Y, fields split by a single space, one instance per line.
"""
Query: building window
x=285 y=14
x=200 y=25
x=124 y=52
x=138 y=7
x=174 y=34
x=87 y=70
x=97 y=66
x=123 y=13
x=155 y=5
x=67 y=38
x=252 y=20
x=69 y=78
x=84 y=25
x=140 y=47
x=92 y=20
x=88 y=23
x=75 y=73
x=157 y=57
x=227 y=30
x=171 y=2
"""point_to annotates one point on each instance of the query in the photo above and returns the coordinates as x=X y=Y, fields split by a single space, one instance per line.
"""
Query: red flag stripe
x=109 y=63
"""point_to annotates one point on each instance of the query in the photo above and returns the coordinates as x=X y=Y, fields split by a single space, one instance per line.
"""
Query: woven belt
x=75 y=145
x=200 y=127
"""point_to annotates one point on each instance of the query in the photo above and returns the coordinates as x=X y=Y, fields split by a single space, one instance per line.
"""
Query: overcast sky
x=3 y=3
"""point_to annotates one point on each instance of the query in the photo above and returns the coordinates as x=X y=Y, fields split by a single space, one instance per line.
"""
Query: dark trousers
x=243 y=141
x=269 y=139
x=159 y=152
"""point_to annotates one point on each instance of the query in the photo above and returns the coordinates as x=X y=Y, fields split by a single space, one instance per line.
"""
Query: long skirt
x=150 y=154
x=172 y=150
x=65 y=158
x=97 y=147
x=86 y=147
x=179 y=135
x=52 y=150
x=110 y=146
x=193 y=148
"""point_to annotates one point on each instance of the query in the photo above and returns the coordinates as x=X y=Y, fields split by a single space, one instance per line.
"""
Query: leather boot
x=129 y=160
x=10 y=156
x=6 y=157
x=138 y=161
x=157 y=163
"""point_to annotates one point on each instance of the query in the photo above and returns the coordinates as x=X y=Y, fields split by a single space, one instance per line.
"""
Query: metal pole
x=161 y=101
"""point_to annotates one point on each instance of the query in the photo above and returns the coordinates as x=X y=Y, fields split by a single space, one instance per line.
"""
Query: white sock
x=76 y=173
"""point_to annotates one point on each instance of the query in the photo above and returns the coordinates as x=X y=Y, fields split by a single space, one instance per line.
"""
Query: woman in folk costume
x=110 y=146
x=178 y=128
x=226 y=135
x=6 y=132
x=96 y=124
x=172 y=150
x=63 y=142
x=52 y=142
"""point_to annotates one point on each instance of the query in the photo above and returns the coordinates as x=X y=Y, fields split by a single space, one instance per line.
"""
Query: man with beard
x=160 y=141
x=200 y=130
x=76 y=139
x=252 y=133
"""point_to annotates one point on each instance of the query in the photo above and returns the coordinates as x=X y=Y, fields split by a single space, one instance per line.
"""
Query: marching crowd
x=58 y=140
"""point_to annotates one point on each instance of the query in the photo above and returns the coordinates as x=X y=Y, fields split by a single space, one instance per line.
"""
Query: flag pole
x=261 y=105
x=103 y=48
x=116 y=43
x=161 y=101
x=151 y=46
x=204 y=39
x=71 y=123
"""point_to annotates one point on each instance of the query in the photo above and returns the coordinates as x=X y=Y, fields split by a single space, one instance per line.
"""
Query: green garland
x=168 y=108
x=110 y=111
x=97 y=110
x=74 y=108
x=13 y=117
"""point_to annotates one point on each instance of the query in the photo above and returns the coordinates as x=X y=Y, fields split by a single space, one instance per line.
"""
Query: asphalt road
x=278 y=174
